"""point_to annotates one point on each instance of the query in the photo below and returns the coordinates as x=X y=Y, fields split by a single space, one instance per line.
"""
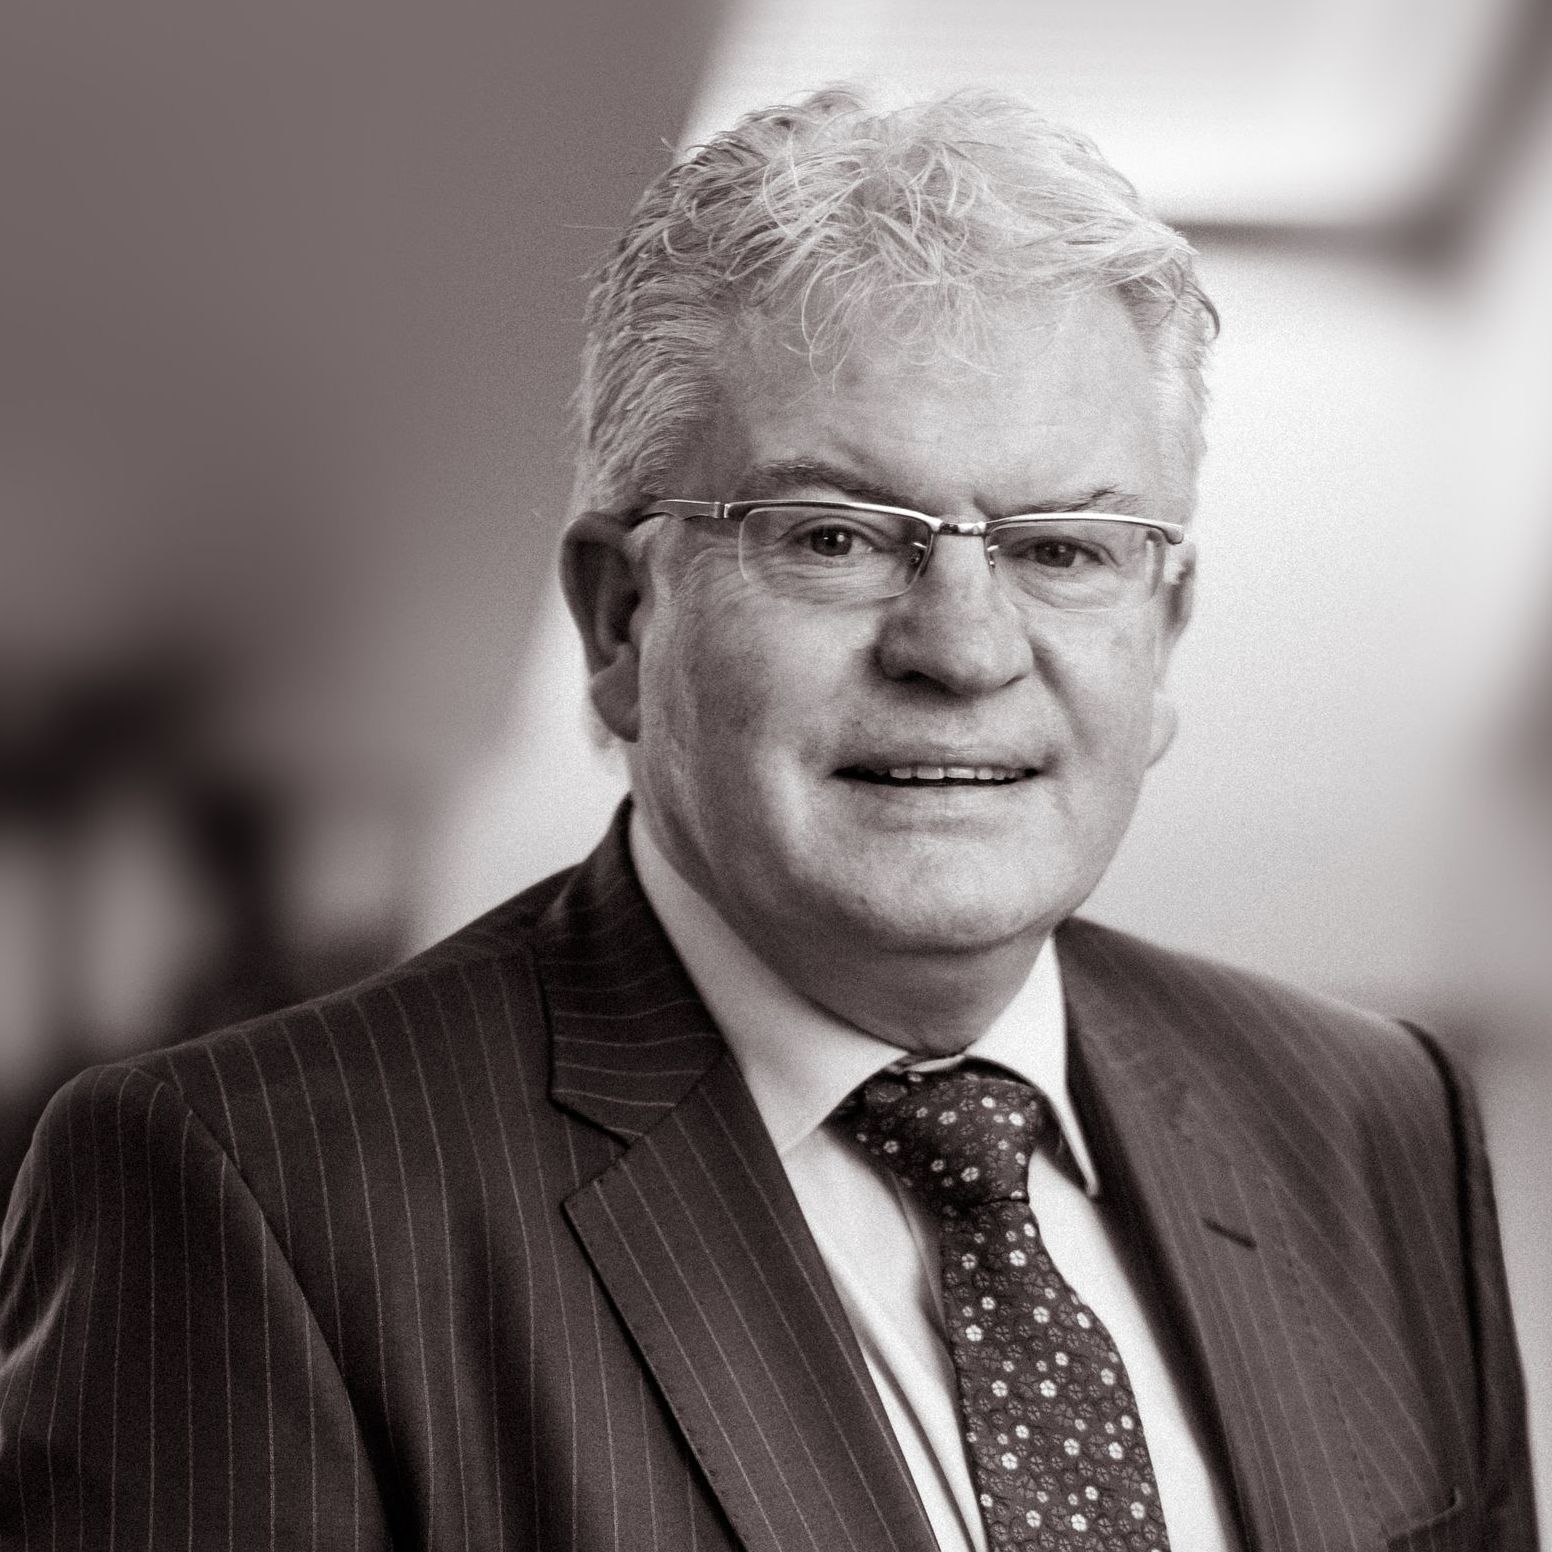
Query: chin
x=940 y=919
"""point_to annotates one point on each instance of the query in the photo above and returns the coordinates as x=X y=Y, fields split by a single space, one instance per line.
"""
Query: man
x=796 y=1172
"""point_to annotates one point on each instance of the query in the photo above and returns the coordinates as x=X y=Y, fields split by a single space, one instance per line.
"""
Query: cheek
x=1107 y=680
x=706 y=688
x=753 y=681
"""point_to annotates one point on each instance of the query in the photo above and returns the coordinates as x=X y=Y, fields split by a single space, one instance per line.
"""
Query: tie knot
x=959 y=1138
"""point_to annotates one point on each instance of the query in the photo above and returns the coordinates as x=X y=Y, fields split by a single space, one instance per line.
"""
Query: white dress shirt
x=880 y=1244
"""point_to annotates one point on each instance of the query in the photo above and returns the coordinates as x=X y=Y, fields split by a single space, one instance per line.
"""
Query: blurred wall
x=291 y=310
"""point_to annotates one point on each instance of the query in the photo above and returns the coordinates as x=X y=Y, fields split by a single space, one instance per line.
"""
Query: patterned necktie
x=1055 y=1444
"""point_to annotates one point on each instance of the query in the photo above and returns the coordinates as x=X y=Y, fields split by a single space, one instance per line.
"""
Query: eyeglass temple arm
x=676 y=508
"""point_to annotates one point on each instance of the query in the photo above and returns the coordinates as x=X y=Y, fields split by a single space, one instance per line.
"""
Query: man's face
x=758 y=722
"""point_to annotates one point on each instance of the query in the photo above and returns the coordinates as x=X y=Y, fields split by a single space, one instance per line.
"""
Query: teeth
x=949 y=772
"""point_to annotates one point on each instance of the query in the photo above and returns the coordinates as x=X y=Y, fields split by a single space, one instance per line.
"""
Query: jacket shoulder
x=356 y=1060
x=1253 y=1034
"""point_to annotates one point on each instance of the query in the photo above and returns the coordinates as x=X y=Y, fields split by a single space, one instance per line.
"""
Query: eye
x=833 y=541
x=1068 y=547
x=819 y=538
x=831 y=538
x=1051 y=553
x=1059 y=554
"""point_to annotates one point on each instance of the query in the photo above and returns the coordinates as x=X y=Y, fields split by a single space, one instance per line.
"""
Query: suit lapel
x=703 y=1249
x=1208 y=1219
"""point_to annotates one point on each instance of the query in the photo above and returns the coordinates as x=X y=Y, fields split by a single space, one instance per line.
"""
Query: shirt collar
x=799 y=1060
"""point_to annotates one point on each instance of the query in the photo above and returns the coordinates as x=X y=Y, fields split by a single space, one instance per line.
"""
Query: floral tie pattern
x=1055 y=1445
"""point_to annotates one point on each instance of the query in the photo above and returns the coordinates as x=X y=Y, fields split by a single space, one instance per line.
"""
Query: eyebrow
x=779 y=480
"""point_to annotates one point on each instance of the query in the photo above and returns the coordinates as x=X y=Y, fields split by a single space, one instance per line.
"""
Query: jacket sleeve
x=163 y=1383
x=1508 y=1495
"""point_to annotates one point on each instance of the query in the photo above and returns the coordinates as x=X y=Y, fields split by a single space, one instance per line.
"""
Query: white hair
x=930 y=221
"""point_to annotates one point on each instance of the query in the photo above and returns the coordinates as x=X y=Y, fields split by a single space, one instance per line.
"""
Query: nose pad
x=955 y=626
x=964 y=586
x=927 y=552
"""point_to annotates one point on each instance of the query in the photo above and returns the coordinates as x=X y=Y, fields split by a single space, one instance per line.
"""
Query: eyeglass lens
x=829 y=556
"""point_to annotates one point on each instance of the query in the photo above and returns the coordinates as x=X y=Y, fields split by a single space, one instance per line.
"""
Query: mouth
x=938 y=775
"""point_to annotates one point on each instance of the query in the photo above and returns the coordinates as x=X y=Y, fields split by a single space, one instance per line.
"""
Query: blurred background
x=290 y=315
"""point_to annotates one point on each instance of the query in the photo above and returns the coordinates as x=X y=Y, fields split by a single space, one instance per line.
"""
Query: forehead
x=1053 y=400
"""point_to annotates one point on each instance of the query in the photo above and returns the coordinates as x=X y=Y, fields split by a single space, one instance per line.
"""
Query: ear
x=1178 y=604
x=600 y=575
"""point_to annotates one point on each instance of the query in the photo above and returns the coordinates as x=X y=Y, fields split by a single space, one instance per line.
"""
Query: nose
x=955 y=626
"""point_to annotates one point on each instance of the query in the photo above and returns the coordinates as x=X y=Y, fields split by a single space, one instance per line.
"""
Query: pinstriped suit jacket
x=493 y=1251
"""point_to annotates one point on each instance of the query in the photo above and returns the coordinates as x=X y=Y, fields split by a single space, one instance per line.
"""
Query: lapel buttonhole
x=1239 y=1236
